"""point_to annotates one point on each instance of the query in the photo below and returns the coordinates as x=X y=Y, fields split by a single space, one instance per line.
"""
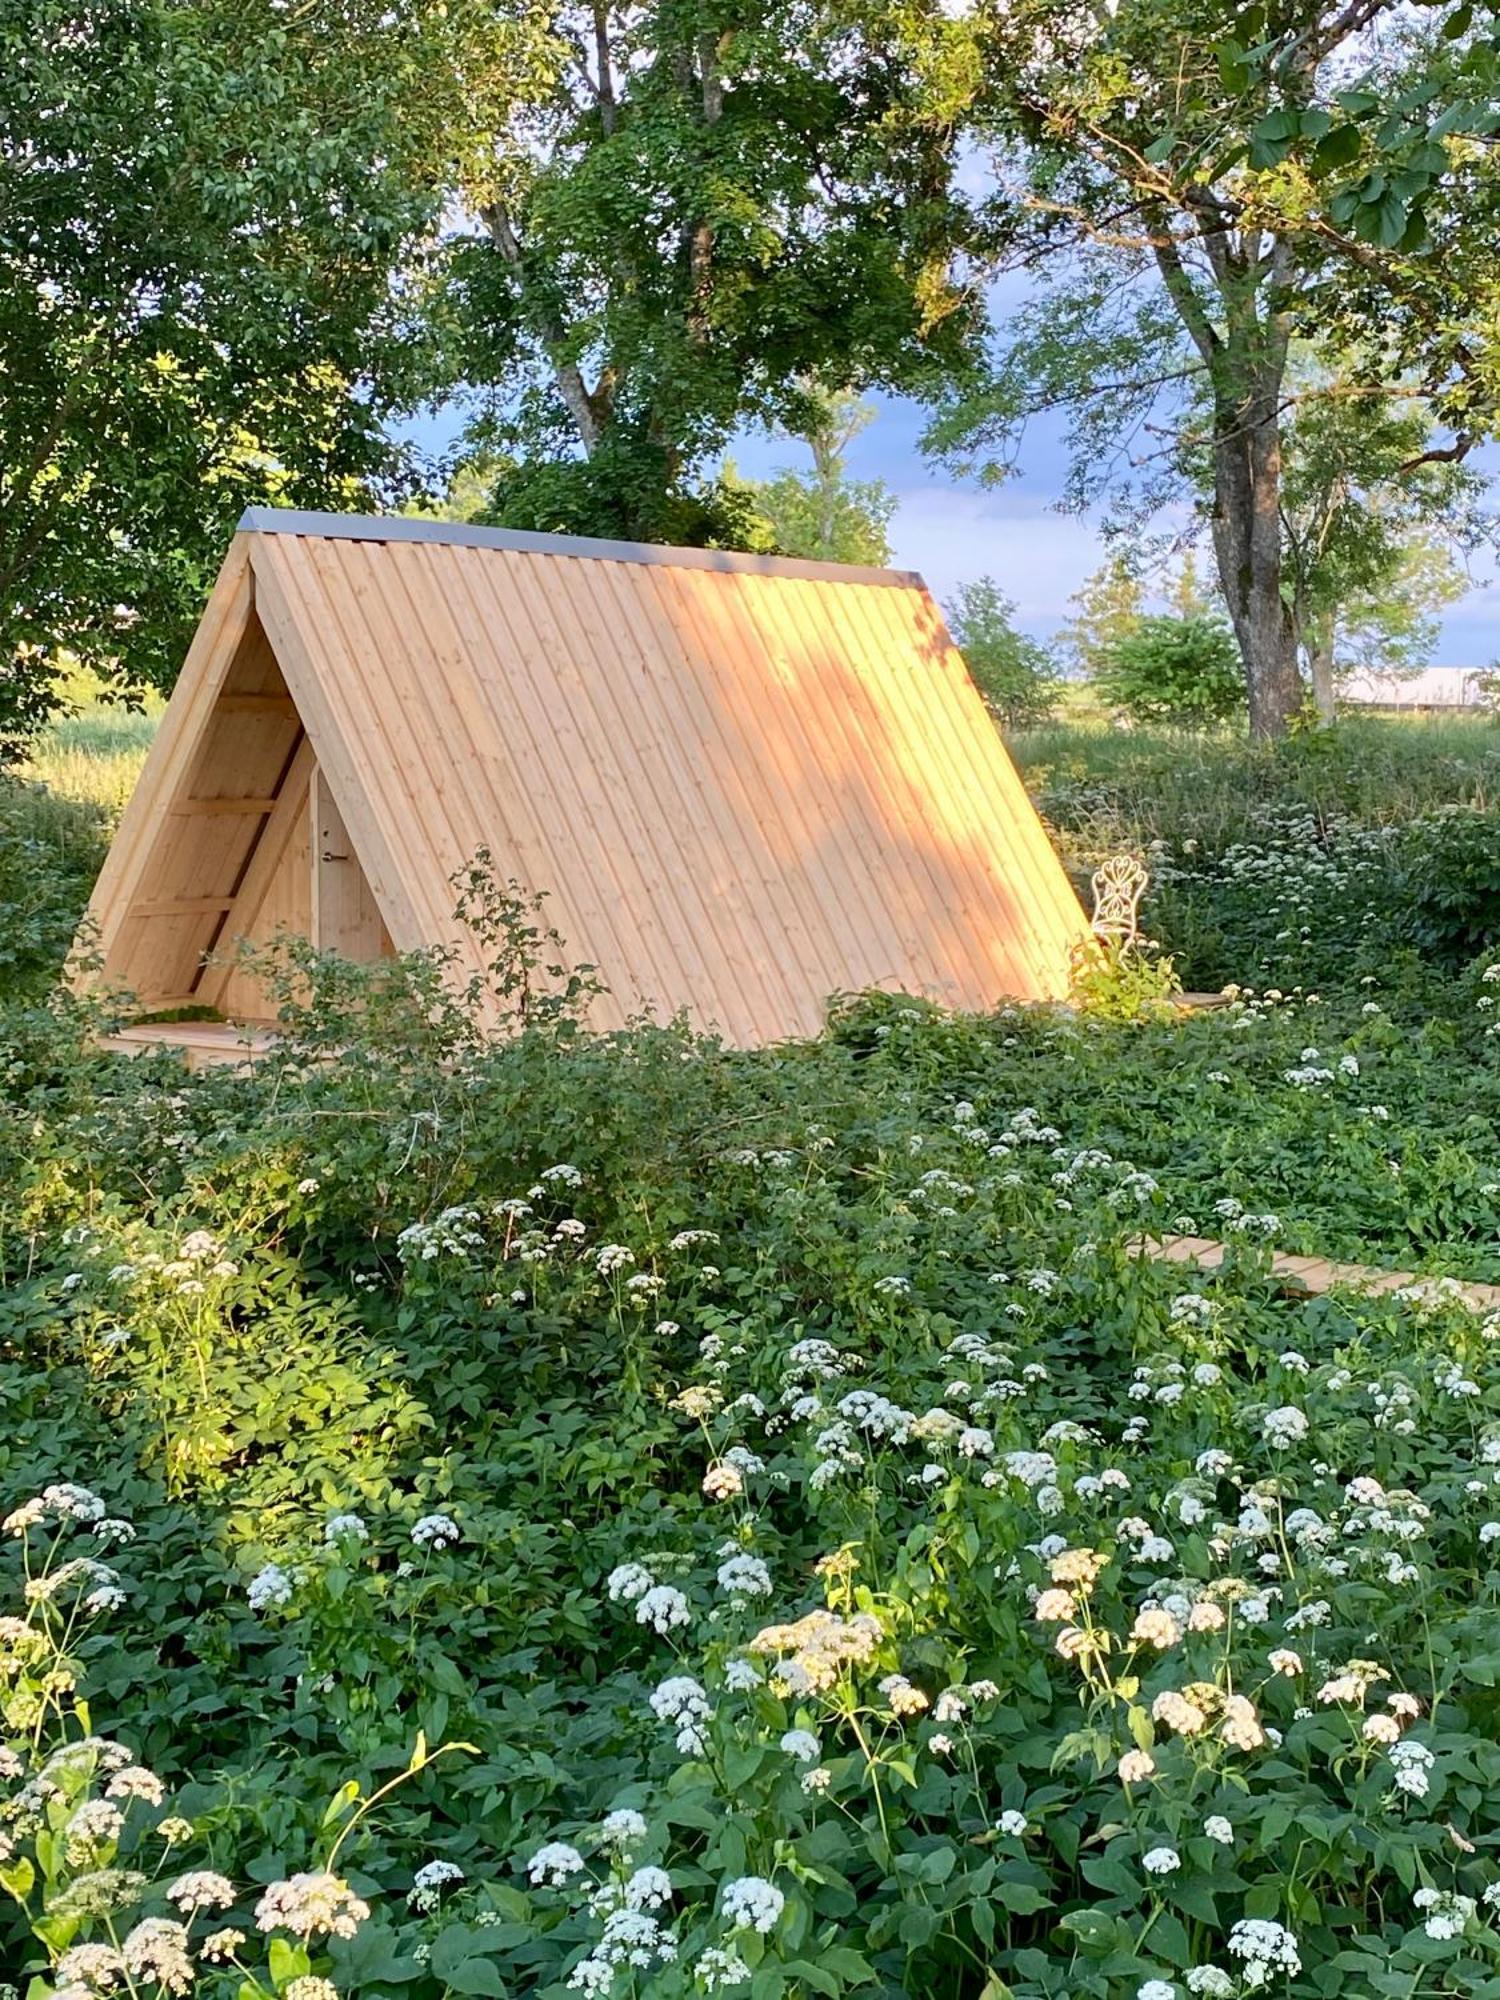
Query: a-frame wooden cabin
x=745 y=783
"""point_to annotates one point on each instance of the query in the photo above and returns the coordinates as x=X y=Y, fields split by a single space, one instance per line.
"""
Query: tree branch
x=1446 y=454
x=550 y=329
x=1184 y=296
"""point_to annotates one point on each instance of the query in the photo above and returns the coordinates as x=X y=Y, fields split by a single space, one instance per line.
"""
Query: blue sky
x=951 y=531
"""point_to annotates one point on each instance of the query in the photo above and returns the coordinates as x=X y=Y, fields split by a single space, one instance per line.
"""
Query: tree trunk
x=581 y=406
x=1247 y=549
x=1320 y=667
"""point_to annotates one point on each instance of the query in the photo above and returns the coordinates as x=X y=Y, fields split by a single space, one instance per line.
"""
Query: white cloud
x=1037 y=556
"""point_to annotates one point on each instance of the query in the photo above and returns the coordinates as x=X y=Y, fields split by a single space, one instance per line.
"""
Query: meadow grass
x=95 y=756
x=1104 y=788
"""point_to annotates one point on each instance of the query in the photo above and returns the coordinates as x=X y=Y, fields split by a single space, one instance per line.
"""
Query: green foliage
x=1198 y=188
x=1117 y=979
x=825 y=516
x=50 y=851
x=249 y=1308
x=1016 y=674
x=696 y=221
x=203 y=208
x=1180 y=671
x=502 y=1393
x=1108 y=608
x=1304 y=866
x=1374 y=530
x=1452 y=863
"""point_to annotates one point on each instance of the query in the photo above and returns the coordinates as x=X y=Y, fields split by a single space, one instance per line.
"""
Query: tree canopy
x=1193 y=184
x=205 y=297
x=823 y=514
x=713 y=205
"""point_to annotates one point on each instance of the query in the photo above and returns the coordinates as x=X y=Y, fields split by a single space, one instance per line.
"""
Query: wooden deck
x=1316 y=1274
x=201 y=1044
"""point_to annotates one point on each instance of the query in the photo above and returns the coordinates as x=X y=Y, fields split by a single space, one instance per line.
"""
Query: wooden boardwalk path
x=1317 y=1274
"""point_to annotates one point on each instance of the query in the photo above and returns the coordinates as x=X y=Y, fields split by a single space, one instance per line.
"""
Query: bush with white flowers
x=849 y=1560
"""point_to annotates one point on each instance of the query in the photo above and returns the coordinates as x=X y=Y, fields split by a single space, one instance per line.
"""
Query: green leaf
x=339 y=1804
x=286 y=1961
x=1273 y=138
x=818 y=1977
x=19 y=1877
x=1337 y=149
x=476 y=1975
x=1022 y=1899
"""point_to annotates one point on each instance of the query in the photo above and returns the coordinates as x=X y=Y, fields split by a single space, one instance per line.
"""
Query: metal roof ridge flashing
x=523 y=541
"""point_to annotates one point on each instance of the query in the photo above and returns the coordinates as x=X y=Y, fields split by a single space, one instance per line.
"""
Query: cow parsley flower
x=663 y=1609
x=309 y=1903
x=802 y=1746
x=430 y=1880
x=754 y=1903
x=157 y=1949
x=647 y=1889
x=134 y=1781
x=438 y=1531
x=628 y=1581
x=1446 y=1912
x=1266 y=1947
x=720 y=1966
x=95 y=1967
x=221 y=1944
x=271 y=1587
x=683 y=1701
x=1285 y=1426
x=743 y=1575
x=201 y=1889
x=622 y=1828
x=553 y=1864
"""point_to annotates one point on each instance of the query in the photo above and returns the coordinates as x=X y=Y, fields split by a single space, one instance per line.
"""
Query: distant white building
x=1432 y=687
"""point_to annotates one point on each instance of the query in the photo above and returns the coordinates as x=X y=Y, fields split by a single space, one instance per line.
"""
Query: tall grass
x=1105 y=789
x=95 y=756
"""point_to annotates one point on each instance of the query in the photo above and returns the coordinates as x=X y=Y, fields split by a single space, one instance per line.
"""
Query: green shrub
x=50 y=851
x=1452 y=877
x=1182 y=671
x=1016 y=675
x=1119 y=980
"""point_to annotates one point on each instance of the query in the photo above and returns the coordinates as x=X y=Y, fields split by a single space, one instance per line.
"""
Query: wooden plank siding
x=744 y=785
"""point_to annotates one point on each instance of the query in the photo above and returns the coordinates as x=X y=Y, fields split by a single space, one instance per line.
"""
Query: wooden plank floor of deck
x=1315 y=1274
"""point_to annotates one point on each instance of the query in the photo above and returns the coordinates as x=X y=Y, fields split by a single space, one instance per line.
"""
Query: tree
x=1186 y=594
x=1201 y=180
x=826 y=516
x=1109 y=605
x=1374 y=528
x=1016 y=675
x=713 y=206
x=201 y=210
x=1180 y=671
